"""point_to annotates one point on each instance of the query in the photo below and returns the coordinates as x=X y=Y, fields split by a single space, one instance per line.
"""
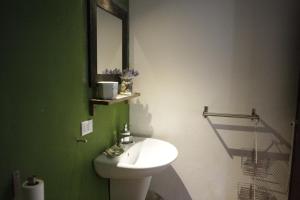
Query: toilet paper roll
x=33 y=192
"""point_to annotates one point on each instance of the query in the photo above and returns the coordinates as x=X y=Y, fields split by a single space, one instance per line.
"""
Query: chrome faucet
x=125 y=137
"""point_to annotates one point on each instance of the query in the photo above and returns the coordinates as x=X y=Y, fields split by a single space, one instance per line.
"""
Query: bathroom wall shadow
x=139 y=114
x=167 y=185
x=268 y=166
x=262 y=154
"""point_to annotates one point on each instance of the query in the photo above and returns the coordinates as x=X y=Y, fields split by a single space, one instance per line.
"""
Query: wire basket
x=253 y=169
x=248 y=191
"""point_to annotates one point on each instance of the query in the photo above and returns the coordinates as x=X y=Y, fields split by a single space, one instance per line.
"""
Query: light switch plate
x=86 y=127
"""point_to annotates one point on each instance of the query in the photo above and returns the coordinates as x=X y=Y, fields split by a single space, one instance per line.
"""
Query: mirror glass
x=109 y=41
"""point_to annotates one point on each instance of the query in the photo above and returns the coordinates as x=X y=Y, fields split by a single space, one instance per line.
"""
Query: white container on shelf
x=107 y=90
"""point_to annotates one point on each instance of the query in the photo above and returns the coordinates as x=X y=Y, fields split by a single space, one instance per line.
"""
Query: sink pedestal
x=129 y=189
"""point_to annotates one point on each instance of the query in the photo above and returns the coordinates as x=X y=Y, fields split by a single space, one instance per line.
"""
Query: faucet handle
x=126 y=139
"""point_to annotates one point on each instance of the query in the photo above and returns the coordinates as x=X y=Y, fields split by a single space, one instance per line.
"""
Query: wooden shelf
x=120 y=98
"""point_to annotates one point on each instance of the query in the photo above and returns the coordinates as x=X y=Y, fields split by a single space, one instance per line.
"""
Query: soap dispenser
x=126 y=138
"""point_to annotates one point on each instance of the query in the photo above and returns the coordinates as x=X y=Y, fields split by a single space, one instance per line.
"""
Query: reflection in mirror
x=109 y=41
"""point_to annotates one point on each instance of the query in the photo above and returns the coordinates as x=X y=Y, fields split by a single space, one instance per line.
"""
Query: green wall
x=44 y=95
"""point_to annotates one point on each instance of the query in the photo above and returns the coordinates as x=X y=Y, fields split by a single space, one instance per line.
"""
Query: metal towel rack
x=252 y=116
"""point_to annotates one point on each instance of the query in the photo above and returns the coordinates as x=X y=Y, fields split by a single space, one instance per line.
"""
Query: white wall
x=232 y=56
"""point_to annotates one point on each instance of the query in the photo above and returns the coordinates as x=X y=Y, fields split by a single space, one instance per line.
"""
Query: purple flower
x=126 y=73
x=129 y=73
x=112 y=71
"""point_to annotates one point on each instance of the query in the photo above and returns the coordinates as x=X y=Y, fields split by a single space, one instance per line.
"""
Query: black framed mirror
x=107 y=38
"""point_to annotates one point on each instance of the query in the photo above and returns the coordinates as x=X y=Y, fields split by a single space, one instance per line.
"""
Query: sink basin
x=135 y=167
x=145 y=157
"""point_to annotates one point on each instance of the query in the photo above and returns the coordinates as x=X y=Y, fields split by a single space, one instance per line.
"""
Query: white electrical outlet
x=86 y=127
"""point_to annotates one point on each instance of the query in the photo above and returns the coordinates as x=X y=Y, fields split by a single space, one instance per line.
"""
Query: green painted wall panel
x=44 y=95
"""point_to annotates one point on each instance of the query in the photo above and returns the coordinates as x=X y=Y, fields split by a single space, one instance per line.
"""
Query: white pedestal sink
x=130 y=173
